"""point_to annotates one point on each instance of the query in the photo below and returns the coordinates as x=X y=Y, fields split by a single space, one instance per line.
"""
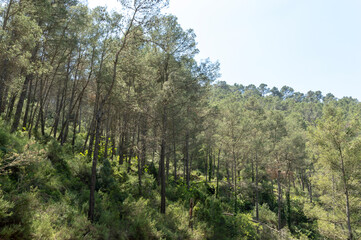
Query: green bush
x=140 y=220
x=267 y=216
x=222 y=224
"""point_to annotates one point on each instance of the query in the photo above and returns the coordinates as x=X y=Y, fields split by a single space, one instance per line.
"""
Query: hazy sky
x=304 y=44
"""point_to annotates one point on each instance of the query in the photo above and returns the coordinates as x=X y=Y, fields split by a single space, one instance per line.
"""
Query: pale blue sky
x=304 y=44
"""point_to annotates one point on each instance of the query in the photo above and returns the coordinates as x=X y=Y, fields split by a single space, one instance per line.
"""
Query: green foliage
x=35 y=202
x=224 y=225
x=5 y=206
x=140 y=220
x=9 y=142
x=267 y=216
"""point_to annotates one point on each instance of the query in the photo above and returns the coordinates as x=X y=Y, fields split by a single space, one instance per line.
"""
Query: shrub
x=267 y=216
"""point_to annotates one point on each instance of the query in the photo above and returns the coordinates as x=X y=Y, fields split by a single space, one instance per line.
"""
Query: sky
x=305 y=44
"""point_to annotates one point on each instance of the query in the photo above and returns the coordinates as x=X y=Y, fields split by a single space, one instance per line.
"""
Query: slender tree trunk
x=54 y=128
x=19 y=107
x=288 y=199
x=210 y=165
x=90 y=129
x=279 y=198
x=174 y=151
x=65 y=125
x=206 y=166
x=74 y=125
x=344 y=178
x=94 y=166
x=91 y=141
x=161 y=162
x=31 y=123
x=167 y=161
x=143 y=141
x=139 y=152
x=106 y=143
x=60 y=106
x=302 y=184
x=253 y=182
x=98 y=106
x=32 y=111
x=190 y=165
x=4 y=87
x=334 y=198
x=124 y=143
x=120 y=149
x=80 y=118
x=217 y=191
x=10 y=106
x=184 y=167
x=309 y=187
x=232 y=171
x=257 y=192
x=227 y=171
x=186 y=158
x=42 y=116
x=25 y=119
x=6 y=15
x=235 y=183
x=131 y=152
x=214 y=164
x=5 y=63
x=175 y=160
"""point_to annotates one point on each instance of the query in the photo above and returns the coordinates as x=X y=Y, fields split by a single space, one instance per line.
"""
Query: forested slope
x=110 y=129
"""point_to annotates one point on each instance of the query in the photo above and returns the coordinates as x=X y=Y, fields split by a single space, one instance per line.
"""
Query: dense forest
x=110 y=129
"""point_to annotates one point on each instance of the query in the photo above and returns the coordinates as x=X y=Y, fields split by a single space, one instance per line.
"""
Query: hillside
x=110 y=129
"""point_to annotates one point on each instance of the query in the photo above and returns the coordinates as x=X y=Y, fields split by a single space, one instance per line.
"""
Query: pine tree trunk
x=206 y=166
x=113 y=145
x=210 y=165
x=92 y=122
x=253 y=182
x=217 y=191
x=4 y=65
x=25 y=119
x=91 y=141
x=74 y=125
x=42 y=119
x=279 y=198
x=10 y=106
x=161 y=162
x=344 y=178
x=288 y=200
x=214 y=164
x=120 y=149
x=309 y=187
x=32 y=118
x=94 y=167
x=167 y=161
x=139 y=152
x=257 y=192
x=3 y=88
x=143 y=141
x=20 y=104
x=32 y=109
x=235 y=182
x=186 y=158
x=302 y=182
x=59 y=106
x=174 y=154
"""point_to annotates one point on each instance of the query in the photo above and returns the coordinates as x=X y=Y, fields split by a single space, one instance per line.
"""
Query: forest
x=110 y=129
